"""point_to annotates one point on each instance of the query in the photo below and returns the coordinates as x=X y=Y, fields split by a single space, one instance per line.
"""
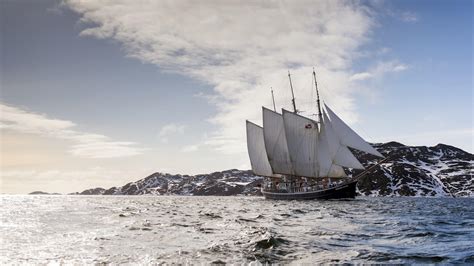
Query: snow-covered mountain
x=225 y=183
x=441 y=170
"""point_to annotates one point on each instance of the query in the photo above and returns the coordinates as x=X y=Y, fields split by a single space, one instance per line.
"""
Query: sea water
x=187 y=229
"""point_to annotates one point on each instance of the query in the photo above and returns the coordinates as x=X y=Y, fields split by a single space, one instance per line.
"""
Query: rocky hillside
x=441 y=170
x=225 y=183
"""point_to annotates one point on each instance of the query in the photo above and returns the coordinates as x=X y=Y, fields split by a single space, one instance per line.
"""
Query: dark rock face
x=441 y=170
x=38 y=193
x=42 y=193
x=93 y=191
x=225 y=183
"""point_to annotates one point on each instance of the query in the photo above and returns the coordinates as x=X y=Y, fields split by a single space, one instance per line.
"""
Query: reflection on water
x=121 y=229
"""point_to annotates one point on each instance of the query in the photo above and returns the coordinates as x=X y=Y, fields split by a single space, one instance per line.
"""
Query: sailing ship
x=304 y=158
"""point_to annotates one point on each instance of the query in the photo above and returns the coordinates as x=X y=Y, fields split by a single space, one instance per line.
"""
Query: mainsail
x=257 y=152
x=302 y=139
x=275 y=143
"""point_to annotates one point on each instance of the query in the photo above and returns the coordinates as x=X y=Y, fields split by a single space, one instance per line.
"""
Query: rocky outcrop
x=93 y=191
x=441 y=170
x=38 y=193
x=225 y=183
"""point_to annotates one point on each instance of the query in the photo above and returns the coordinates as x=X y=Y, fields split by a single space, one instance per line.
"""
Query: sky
x=101 y=93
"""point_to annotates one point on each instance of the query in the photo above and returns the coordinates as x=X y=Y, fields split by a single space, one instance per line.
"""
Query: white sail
x=275 y=142
x=332 y=154
x=341 y=155
x=336 y=171
x=302 y=139
x=327 y=149
x=256 y=150
x=344 y=157
x=348 y=136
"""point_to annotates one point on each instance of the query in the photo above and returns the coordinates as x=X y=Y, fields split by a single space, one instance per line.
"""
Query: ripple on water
x=183 y=230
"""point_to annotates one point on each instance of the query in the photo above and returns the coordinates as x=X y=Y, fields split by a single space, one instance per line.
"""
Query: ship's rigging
x=290 y=145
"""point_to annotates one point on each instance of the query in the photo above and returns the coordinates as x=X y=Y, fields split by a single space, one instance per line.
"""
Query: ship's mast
x=320 y=115
x=273 y=98
x=292 y=94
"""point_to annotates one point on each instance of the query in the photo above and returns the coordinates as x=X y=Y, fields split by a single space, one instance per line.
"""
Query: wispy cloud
x=408 y=16
x=169 y=130
x=241 y=49
x=85 y=145
x=379 y=70
x=362 y=76
x=190 y=148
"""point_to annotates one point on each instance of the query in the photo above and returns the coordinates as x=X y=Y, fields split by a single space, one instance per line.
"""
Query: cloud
x=27 y=122
x=361 y=76
x=170 y=129
x=379 y=70
x=86 y=145
x=241 y=49
x=398 y=68
x=190 y=148
x=392 y=11
x=408 y=16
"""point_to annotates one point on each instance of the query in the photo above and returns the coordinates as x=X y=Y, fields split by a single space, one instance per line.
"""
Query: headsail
x=302 y=139
x=275 y=142
x=348 y=136
x=256 y=150
x=340 y=154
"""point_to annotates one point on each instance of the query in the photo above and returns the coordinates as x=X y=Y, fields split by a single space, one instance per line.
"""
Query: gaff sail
x=276 y=143
x=256 y=150
x=302 y=139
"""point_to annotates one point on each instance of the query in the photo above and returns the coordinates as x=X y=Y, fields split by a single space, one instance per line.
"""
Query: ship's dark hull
x=343 y=191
